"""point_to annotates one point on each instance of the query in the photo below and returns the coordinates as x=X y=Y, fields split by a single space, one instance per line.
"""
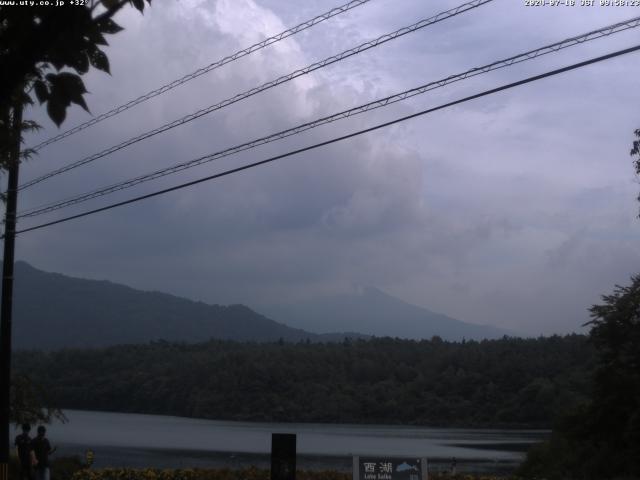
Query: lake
x=134 y=440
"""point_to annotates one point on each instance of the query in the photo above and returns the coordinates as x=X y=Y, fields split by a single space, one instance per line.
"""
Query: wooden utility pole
x=7 y=289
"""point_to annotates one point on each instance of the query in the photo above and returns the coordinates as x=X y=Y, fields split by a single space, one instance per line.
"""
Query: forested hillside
x=93 y=314
x=74 y=312
x=496 y=383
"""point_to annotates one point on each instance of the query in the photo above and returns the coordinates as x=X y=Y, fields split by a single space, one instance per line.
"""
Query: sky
x=516 y=210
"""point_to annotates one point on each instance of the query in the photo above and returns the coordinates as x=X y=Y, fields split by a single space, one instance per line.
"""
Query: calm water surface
x=162 y=441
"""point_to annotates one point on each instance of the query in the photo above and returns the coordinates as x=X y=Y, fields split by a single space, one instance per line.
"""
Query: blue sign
x=389 y=468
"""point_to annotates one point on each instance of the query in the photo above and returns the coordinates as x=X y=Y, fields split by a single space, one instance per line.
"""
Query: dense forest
x=600 y=438
x=509 y=382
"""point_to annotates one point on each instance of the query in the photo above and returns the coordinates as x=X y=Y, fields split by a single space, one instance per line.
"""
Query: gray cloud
x=517 y=209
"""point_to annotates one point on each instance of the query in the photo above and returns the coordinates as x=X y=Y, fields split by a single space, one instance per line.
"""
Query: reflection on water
x=161 y=441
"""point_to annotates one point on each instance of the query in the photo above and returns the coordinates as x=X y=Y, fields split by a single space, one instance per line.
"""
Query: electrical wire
x=201 y=71
x=383 y=102
x=337 y=139
x=268 y=85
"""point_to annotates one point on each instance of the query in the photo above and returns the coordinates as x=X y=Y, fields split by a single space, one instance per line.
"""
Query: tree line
x=600 y=438
x=510 y=382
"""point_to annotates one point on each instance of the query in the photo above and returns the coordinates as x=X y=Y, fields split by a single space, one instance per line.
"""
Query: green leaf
x=71 y=82
x=110 y=3
x=57 y=62
x=79 y=100
x=27 y=154
x=57 y=111
x=109 y=26
x=139 y=4
x=99 y=60
x=26 y=99
x=80 y=62
x=94 y=37
x=42 y=92
x=30 y=125
x=72 y=89
x=66 y=88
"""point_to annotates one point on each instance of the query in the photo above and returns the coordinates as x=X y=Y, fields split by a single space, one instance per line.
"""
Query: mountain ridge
x=57 y=316
x=53 y=310
x=382 y=314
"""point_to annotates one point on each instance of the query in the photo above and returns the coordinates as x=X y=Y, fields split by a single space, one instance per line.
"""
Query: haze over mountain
x=55 y=311
x=374 y=312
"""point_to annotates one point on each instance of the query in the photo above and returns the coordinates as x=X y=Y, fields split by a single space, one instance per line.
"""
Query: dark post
x=283 y=456
x=7 y=292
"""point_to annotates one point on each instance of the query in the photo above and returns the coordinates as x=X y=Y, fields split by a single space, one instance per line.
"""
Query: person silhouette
x=25 y=452
x=42 y=449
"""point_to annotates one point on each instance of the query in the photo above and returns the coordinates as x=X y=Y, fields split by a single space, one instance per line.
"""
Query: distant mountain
x=54 y=311
x=373 y=312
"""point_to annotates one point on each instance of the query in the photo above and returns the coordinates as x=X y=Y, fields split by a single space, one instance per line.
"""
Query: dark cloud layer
x=516 y=210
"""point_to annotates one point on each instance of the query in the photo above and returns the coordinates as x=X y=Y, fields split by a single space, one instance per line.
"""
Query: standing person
x=42 y=449
x=24 y=451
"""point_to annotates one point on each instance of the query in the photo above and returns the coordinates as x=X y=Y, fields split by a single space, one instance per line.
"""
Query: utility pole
x=7 y=288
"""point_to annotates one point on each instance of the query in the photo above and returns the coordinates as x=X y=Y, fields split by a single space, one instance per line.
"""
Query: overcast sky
x=517 y=210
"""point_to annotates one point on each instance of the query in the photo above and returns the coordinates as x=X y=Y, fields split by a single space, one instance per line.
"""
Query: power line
x=201 y=71
x=337 y=139
x=273 y=83
x=530 y=55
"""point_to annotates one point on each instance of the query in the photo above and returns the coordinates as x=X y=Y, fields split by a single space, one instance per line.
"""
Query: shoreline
x=135 y=457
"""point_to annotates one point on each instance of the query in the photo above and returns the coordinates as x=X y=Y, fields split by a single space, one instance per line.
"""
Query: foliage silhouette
x=495 y=383
x=601 y=438
x=41 y=48
x=30 y=403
